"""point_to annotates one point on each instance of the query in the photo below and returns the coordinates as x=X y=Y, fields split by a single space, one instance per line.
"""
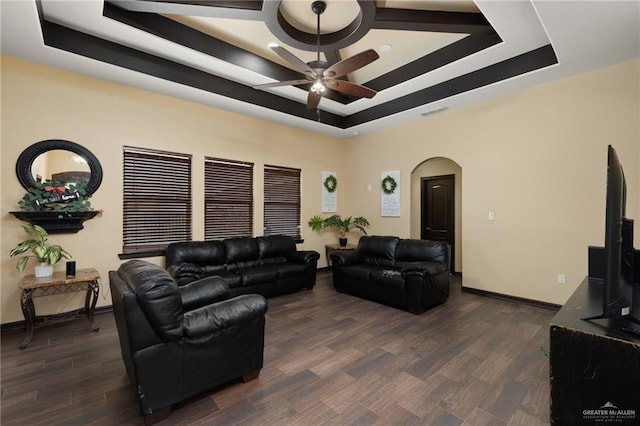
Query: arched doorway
x=431 y=168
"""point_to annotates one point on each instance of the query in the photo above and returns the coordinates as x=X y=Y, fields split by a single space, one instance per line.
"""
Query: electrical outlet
x=562 y=279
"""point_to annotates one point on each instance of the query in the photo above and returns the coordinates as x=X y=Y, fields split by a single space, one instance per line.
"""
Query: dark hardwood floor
x=329 y=359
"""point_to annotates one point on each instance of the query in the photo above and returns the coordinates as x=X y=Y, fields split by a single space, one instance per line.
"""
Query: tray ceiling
x=435 y=55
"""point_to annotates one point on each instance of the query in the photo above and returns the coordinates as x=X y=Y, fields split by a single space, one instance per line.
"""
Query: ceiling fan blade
x=295 y=61
x=313 y=99
x=350 y=64
x=350 y=88
x=282 y=83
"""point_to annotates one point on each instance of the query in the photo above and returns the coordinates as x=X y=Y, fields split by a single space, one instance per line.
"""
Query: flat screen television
x=618 y=280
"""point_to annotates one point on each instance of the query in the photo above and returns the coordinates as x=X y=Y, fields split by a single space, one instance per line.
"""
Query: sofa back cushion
x=241 y=250
x=275 y=248
x=201 y=253
x=378 y=250
x=410 y=250
x=157 y=295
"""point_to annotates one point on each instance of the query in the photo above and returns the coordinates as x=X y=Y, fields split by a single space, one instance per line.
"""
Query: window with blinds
x=157 y=200
x=228 y=199
x=282 y=201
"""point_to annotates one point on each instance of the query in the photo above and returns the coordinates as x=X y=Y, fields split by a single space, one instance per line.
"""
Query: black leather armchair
x=178 y=342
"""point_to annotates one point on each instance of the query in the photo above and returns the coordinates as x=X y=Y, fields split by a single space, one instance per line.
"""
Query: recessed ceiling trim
x=294 y=37
x=70 y=40
x=61 y=37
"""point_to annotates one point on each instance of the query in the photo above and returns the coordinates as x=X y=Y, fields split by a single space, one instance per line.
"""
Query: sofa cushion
x=231 y=279
x=378 y=250
x=201 y=253
x=242 y=249
x=360 y=271
x=288 y=270
x=387 y=277
x=422 y=250
x=275 y=246
x=259 y=274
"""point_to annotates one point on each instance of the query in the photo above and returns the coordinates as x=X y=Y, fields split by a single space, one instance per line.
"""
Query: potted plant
x=47 y=254
x=343 y=225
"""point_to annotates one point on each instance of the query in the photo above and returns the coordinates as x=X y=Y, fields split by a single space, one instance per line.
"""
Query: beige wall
x=45 y=103
x=536 y=158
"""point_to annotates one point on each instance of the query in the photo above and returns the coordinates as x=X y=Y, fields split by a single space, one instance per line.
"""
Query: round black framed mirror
x=33 y=153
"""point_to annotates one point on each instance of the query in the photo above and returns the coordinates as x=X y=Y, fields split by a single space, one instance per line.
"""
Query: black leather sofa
x=178 y=342
x=269 y=266
x=405 y=273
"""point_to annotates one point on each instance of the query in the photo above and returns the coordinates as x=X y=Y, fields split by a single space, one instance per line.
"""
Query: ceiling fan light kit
x=320 y=73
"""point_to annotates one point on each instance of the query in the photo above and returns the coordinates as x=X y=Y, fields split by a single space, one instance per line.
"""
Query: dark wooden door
x=437 y=211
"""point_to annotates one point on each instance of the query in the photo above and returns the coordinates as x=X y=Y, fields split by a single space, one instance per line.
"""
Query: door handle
x=428 y=229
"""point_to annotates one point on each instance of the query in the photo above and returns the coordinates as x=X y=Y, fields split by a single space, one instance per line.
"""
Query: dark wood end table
x=86 y=279
x=330 y=248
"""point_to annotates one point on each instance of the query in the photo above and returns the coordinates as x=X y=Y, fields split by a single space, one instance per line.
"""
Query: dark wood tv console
x=594 y=366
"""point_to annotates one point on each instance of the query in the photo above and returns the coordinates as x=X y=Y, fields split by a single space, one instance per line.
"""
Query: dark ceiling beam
x=530 y=61
x=73 y=41
x=439 y=58
x=432 y=21
x=245 y=9
x=188 y=37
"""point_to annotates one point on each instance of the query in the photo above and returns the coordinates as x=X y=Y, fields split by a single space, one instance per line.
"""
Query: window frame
x=172 y=174
x=236 y=189
x=278 y=196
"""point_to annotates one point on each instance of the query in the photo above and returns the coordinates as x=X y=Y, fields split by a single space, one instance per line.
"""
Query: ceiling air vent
x=434 y=111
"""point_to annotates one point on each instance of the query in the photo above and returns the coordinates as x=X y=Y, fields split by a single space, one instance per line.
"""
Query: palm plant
x=343 y=225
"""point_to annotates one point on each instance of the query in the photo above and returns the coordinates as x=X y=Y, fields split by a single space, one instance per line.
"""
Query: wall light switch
x=369 y=187
x=492 y=216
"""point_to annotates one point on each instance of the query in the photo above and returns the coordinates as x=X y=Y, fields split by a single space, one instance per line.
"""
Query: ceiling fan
x=320 y=73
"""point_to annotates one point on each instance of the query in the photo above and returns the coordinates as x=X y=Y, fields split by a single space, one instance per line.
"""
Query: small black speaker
x=71 y=268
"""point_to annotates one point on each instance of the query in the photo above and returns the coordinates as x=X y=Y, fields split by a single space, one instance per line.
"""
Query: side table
x=330 y=248
x=86 y=279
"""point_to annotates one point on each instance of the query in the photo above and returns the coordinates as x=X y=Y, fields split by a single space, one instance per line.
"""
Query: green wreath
x=331 y=183
x=389 y=185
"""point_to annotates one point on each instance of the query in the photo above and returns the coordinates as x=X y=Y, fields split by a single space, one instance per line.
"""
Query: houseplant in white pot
x=47 y=254
x=343 y=225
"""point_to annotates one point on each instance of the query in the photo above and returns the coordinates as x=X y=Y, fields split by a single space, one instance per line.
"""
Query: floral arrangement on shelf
x=56 y=196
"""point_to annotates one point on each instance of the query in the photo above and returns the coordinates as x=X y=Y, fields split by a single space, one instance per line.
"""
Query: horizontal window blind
x=282 y=201
x=157 y=199
x=228 y=195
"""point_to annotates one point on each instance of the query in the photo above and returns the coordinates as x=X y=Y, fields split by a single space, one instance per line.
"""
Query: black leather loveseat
x=405 y=273
x=269 y=266
x=177 y=342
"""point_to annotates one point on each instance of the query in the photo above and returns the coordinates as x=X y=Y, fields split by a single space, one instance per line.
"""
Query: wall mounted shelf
x=57 y=222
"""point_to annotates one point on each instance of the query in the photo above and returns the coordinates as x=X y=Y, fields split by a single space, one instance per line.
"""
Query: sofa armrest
x=182 y=270
x=421 y=268
x=222 y=315
x=345 y=258
x=303 y=256
x=203 y=292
